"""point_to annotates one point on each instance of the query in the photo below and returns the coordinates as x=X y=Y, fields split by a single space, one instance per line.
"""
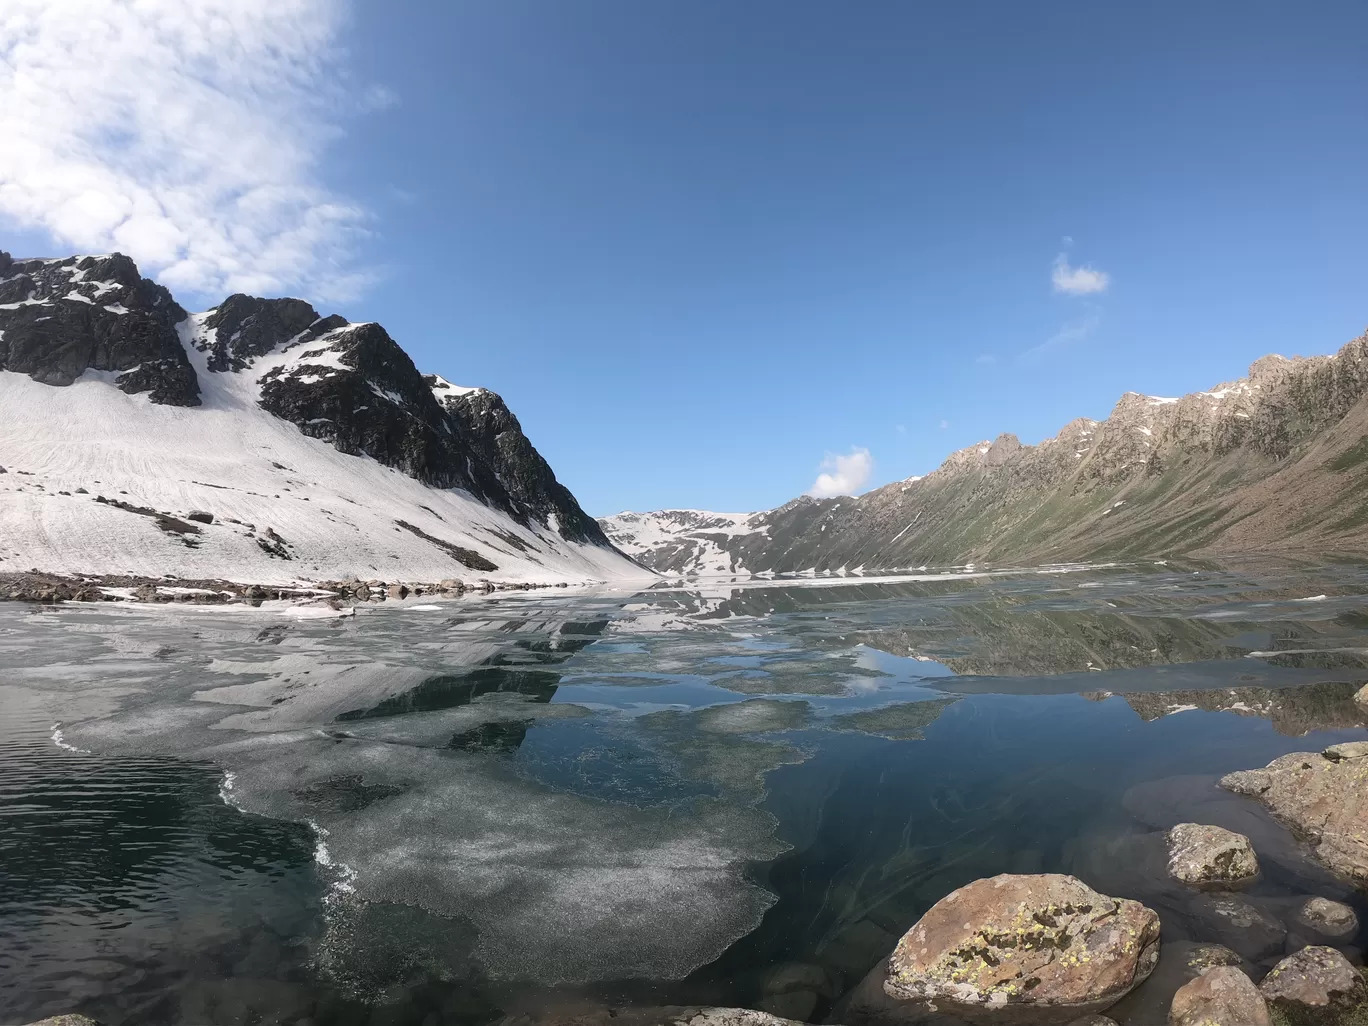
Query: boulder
x=1221 y=996
x=1210 y=855
x=1324 y=797
x=1314 y=985
x=1328 y=918
x=1020 y=949
x=398 y=591
x=1361 y=697
x=200 y=516
x=1094 y=1020
x=1179 y=962
x=65 y=1020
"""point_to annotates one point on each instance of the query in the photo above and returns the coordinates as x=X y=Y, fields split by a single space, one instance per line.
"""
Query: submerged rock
x=1330 y=918
x=676 y=1015
x=1221 y=996
x=1200 y=854
x=1323 y=797
x=1240 y=926
x=1023 y=949
x=1314 y=985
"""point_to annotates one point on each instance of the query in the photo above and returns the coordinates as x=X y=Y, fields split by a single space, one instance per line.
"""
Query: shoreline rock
x=1321 y=797
x=53 y=589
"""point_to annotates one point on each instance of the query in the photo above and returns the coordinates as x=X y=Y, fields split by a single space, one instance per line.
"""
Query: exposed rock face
x=61 y=318
x=1222 y=996
x=491 y=430
x=1210 y=855
x=1323 y=797
x=1329 y=918
x=1024 y=949
x=1274 y=459
x=1316 y=984
x=66 y=1020
x=245 y=328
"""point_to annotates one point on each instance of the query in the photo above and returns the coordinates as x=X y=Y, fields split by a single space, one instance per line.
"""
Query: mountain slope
x=312 y=447
x=1274 y=461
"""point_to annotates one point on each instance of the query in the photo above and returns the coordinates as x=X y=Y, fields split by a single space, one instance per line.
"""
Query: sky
x=714 y=254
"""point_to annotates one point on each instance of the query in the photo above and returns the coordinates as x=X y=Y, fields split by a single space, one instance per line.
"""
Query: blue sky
x=699 y=247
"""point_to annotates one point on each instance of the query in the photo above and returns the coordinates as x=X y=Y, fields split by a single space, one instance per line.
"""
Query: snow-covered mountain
x=257 y=442
x=682 y=541
x=1275 y=461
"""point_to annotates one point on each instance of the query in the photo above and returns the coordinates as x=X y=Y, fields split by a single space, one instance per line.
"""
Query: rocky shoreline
x=52 y=589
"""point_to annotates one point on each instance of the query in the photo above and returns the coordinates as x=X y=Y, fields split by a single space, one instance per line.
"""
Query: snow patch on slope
x=336 y=515
x=684 y=541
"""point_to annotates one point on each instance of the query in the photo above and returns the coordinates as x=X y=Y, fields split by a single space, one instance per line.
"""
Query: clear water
x=444 y=812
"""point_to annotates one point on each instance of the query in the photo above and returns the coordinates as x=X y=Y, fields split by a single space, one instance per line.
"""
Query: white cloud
x=843 y=475
x=985 y=358
x=186 y=133
x=1077 y=281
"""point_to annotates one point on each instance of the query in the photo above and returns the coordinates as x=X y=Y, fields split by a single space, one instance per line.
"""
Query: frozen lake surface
x=441 y=811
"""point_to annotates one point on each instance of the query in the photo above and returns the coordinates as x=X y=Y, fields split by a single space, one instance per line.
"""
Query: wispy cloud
x=1074 y=331
x=944 y=425
x=985 y=358
x=843 y=475
x=186 y=133
x=1077 y=281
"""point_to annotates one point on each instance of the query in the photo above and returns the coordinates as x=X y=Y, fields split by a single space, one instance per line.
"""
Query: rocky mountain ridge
x=79 y=323
x=1277 y=459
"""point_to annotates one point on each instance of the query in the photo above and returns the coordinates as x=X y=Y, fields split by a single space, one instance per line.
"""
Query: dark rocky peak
x=486 y=424
x=243 y=328
x=61 y=318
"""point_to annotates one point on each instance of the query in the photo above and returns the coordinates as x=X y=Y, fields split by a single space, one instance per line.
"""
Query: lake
x=738 y=793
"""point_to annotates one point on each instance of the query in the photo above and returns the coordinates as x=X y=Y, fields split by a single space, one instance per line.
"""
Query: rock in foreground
x=1323 y=797
x=1210 y=855
x=1314 y=985
x=1223 y=996
x=1036 y=949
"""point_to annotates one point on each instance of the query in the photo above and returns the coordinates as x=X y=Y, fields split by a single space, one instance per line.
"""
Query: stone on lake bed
x=1331 y=918
x=1221 y=996
x=1018 y=949
x=1239 y=925
x=1315 y=983
x=1200 y=854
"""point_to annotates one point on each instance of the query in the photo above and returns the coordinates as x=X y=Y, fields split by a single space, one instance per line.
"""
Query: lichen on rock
x=1024 y=949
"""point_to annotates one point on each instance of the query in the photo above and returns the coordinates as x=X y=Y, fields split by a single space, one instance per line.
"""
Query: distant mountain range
x=257 y=441
x=1276 y=461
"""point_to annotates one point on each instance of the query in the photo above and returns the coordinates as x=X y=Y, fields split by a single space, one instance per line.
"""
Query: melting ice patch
x=59 y=739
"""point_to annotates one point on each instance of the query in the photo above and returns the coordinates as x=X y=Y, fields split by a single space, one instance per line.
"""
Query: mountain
x=1276 y=461
x=257 y=442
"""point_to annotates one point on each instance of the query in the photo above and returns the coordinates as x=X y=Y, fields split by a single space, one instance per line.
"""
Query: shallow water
x=741 y=795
